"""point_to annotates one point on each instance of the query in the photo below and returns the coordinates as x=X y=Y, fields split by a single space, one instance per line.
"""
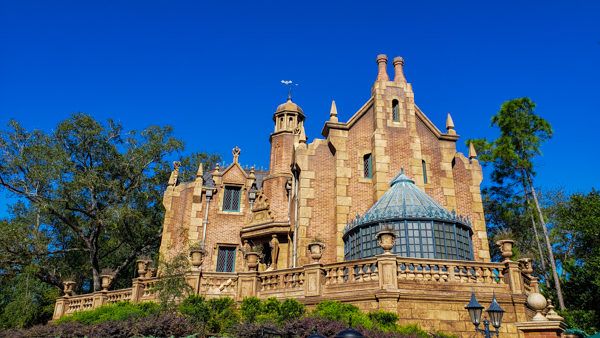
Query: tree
x=511 y=155
x=577 y=224
x=88 y=196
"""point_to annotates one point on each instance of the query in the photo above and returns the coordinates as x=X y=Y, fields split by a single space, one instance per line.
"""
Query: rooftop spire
x=200 y=171
x=382 y=74
x=472 y=152
x=333 y=112
x=450 y=125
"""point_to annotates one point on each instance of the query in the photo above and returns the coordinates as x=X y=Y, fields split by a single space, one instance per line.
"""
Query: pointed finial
x=200 y=171
x=216 y=169
x=450 y=125
x=382 y=68
x=236 y=153
x=472 y=152
x=174 y=174
x=333 y=112
x=399 y=70
x=302 y=136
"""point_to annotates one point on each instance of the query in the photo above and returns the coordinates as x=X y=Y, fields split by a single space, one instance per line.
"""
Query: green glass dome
x=423 y=227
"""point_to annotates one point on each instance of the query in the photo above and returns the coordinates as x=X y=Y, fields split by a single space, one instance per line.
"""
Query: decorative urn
x=142 y=265
x=68 y=287
x=526 y=266
x=316 y=250
x=197 y=255
x=386 y=239
x=252 y=260
x=106 y=278
x=506 y=246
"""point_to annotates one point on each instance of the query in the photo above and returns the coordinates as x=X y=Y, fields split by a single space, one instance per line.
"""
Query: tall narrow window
x=424 y=171
x=395 y=111
x=231 y=198
x=226 y=259
x=368 y=166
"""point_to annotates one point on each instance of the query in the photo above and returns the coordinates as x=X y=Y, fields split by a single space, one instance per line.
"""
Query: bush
x=223 y=315
x=112 y=312
x=412 y=330
x=386 y=321
x=271 y=310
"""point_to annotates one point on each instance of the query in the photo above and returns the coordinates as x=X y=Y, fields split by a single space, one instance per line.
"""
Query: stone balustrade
x=374 y=278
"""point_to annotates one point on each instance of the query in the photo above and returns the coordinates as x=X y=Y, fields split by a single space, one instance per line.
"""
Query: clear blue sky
x=213 y=71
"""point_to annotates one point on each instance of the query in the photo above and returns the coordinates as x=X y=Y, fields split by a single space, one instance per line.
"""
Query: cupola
x=288 y=116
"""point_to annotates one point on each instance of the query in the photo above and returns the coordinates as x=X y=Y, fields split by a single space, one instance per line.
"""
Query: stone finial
x=236 y=153
x=382 y=74
x=302 y=135
x=450 y=125
x=200 y=171
x=399 y=70
x=174 y=173
x=551 y=314
x=252 y=172
x=333 y=112
x=216 y=169
x=537 y=302
x=472 y=152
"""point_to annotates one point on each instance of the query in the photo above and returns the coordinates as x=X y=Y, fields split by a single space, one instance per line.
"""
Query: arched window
x=424 y=165
x=368 y=166
x=395 y=111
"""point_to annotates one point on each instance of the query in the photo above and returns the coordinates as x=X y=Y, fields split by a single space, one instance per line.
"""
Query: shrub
x=385 y=320
x=250 y=309
x=412 y=330
x=112 y=312
x=223 y=315
x=291 y=309
x=334 y=310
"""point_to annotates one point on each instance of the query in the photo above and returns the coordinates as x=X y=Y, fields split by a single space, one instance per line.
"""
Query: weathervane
x=289 y=84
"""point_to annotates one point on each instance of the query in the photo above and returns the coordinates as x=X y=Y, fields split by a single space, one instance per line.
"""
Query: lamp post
x=495 y=313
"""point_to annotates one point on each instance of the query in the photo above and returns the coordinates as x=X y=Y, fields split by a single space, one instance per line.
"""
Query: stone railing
x=372 y=277
x=444 y=271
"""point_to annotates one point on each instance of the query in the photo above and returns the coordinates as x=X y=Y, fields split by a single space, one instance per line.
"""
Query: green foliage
x=112 y=312
x=412 y=330
x=384 y=320
x=172 y=285
x=87 y=197
x=25 y=300
x=335 y=310
x=215 y=316
x=196 y=308
x=271 y=310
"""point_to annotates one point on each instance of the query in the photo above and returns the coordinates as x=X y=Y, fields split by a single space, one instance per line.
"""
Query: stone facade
x=310 y=193
x=315 y=188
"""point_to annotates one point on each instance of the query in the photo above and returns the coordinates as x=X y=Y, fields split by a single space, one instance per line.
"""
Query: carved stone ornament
x=260 y=210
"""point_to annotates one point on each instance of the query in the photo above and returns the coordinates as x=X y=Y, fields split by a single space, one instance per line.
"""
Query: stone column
x=137 y=290
x=387 y=266
x=248 y=284
x=99 y=299
x=313 y=280
x=60 y=307
x=512 y=272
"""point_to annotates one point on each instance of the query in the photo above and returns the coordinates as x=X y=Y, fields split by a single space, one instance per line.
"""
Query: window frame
x=229 y=259
x=227 y=207
x=368 y=165
x=395 y=110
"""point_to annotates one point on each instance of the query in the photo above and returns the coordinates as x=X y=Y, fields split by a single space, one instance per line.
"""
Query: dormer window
x=395 y=111
x=231 y=198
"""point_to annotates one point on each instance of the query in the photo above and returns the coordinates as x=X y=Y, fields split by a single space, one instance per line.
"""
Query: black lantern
x=349 y=333
x=495 y=312
x=475 y=309
x=315 y=334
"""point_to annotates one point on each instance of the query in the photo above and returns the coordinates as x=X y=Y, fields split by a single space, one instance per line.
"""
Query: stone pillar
x=541 y=329
x=313 y=280
x=388 y=300
x=248 y=284
x=99 y=299
x=387 y=266
x=60 y=307
x=137 y=290
x=512 y=272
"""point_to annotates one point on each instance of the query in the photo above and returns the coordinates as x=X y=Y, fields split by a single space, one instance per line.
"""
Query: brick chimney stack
x=399 y=70
x=382 y=74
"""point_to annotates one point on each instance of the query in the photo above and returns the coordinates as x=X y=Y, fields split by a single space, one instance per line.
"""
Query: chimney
x=382 y=68
x=399 y=70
